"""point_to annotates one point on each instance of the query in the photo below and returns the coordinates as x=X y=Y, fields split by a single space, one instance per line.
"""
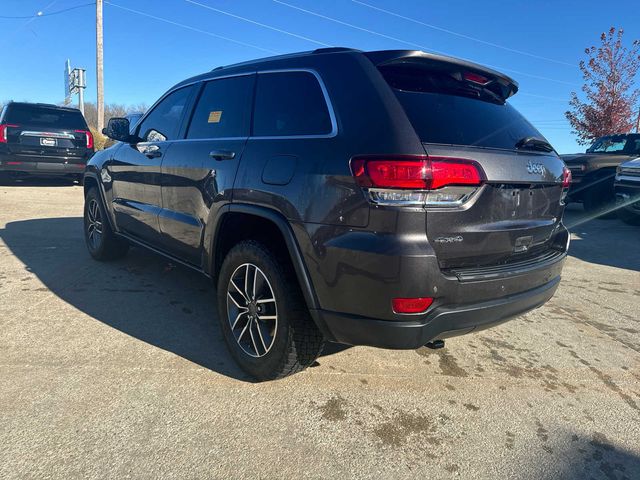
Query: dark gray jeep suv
x=389 y=198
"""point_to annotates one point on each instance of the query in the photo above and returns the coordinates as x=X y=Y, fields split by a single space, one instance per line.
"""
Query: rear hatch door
x=459 y=110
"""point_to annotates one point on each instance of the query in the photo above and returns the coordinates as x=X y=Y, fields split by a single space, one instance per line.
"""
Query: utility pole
x=81 y=84
x=99 y=65
x=638 y=122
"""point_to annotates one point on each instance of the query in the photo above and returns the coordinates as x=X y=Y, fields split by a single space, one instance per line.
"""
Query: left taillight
x=89 y=137
x=417 y=179
x=3 y=132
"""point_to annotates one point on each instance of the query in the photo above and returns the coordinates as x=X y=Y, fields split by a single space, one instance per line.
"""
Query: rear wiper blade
x=534 y=143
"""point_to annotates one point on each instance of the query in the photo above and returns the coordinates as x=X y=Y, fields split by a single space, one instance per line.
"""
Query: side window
x=290 y=103
x=223 y=109
x=163 y=123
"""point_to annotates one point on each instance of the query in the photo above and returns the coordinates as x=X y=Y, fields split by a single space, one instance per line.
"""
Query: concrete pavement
x=119 y=370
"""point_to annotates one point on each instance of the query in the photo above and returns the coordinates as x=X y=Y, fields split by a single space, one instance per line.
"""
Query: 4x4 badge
x=456 y=239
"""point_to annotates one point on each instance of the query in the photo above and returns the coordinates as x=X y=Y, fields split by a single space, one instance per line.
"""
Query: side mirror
x=118 y=129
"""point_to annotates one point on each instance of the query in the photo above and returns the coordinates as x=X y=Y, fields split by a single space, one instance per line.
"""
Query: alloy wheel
x=252 y=310
x=94 y=224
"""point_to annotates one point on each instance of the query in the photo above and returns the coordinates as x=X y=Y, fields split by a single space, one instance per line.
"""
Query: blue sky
x=144 y=56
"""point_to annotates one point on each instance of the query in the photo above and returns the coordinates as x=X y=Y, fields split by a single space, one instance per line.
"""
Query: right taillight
x=566 y=183
x=566 y=177
x=417 y=179
x=3 y=132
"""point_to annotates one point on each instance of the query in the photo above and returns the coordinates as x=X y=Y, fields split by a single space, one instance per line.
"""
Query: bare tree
x=110 y=110
x=609 y=73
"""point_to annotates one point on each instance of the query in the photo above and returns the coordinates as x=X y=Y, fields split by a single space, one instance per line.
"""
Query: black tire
x=294 y=342
x=628 y=217
x=102 y=244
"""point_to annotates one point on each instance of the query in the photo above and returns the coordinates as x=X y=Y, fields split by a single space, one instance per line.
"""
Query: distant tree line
x=111 y=110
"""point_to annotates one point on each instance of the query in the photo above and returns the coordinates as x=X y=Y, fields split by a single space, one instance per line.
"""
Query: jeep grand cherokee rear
x=43 y=140
x=387 y=198
x=465 y=232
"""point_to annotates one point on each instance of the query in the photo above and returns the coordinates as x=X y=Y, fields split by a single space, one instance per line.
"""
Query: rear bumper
x=42 y=166
x=356 y=275
x=442 y=322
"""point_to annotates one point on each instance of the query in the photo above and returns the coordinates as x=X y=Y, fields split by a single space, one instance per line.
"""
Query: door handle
x=152 y=151
x=222 y=155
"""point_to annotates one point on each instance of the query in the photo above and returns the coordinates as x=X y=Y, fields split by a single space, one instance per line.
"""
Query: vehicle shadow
x=594 y=456
x=143 y=295
x=607 y=242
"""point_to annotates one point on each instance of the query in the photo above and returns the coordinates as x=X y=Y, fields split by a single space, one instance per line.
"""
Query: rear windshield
x=625 y=144
x=444 y=110
x=40 y=116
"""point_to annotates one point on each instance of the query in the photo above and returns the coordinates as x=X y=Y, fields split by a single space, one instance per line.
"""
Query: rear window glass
x=45 y=117
x=616 y=144
x=290 y=103
x=223 y=109
x=445 y=111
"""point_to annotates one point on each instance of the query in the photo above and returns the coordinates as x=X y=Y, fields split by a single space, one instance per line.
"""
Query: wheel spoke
x=268 y=317
x=236 y=303
x=246 y=283
x=253 y=340
x=266 y=300
x=233 y=327
x=239 y=291
x=261 y=337
x=255 y=277
x=244 y=330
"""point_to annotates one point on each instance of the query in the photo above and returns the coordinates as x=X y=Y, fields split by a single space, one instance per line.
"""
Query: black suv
x=388 y=198
x=43 y=140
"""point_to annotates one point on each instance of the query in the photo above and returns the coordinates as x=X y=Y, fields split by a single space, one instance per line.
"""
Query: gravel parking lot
x=118 y=370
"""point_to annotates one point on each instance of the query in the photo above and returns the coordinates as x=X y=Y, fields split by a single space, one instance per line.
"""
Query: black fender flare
x=304 y=279
x=94 y=176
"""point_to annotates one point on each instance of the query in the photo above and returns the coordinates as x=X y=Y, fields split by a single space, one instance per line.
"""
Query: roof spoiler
x=440 y=62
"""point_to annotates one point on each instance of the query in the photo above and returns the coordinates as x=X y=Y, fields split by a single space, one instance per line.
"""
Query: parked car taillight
x=417 y=179
x=89 y=137
x=3 y=132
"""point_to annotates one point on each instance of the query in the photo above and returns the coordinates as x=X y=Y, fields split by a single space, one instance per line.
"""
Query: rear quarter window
x=290 y=104
x=41 y=116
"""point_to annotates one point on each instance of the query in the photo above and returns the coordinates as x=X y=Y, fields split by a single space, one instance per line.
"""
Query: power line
x=188 y=27
x=389 y=37
x=462 y=35
x=422 y=47
x=264 y=25
x=42 y=14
